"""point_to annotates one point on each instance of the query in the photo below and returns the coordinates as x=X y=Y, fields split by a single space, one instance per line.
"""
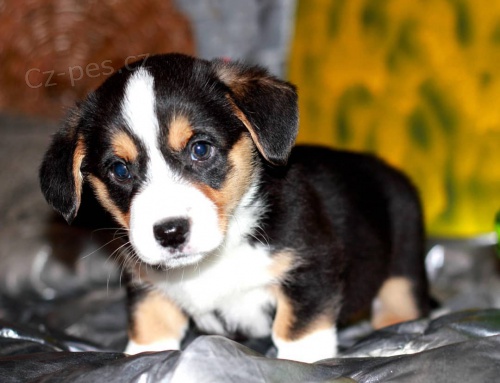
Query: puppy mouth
x=180 y=256
x=171 y=258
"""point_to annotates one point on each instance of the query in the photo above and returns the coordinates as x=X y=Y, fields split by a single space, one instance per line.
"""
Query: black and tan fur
x=335 y=231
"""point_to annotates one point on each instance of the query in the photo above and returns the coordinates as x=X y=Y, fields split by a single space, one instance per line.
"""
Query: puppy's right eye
x=120 y=171
x=201 y=151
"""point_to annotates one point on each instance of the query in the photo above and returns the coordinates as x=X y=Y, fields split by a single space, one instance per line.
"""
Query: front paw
x=163 y=345
x=319 y=345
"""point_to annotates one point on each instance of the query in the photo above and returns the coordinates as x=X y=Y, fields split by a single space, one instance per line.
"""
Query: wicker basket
x=53 y=52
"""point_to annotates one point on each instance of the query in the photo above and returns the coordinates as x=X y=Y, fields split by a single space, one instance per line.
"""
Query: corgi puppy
x=231 y=226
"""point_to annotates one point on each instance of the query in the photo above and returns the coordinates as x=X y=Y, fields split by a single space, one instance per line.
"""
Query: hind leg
x=395 y=303
x=404 y=294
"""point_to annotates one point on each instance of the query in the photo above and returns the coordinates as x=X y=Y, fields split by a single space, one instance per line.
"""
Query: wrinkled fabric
x=463 y=346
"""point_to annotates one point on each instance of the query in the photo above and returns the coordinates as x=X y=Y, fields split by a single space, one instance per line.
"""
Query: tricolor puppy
x=230 y=226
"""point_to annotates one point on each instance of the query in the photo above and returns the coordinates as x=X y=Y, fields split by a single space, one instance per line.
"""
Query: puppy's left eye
x=120 y=171
x=201 y=151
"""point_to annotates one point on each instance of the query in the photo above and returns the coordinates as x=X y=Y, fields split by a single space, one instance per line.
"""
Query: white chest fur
x=228 y=291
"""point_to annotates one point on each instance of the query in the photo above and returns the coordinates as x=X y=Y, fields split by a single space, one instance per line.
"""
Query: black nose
x=172 y=233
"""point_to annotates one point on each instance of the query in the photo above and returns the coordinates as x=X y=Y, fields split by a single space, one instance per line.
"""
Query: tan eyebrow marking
x=180 y=131
x=124 y=147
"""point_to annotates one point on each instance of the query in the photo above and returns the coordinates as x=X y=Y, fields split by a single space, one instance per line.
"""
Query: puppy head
x=171 y=148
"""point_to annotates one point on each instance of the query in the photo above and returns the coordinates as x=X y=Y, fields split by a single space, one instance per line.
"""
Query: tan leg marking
x=157 y=318
x=285 y=320
x=237 y=182
x=285 y=317
x=124 y=147
x=282 y=262
x=180 y=131
x=102 y=194
x=394 y=303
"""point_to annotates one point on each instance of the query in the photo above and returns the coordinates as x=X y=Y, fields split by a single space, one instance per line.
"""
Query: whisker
x=109 y=228
x=119 y=249
x=256 y=227
x=101 y=247
x=116 y=229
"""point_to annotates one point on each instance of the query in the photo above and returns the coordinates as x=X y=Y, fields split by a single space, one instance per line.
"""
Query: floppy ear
x=266 y=105
x=60 y=175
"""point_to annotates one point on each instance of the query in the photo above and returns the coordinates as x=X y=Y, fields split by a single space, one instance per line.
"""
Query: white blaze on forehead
x=139 y=107
x=139 y=111
x=163 y=196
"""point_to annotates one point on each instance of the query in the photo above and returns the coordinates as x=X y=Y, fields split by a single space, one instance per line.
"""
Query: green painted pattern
x=416 y=82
